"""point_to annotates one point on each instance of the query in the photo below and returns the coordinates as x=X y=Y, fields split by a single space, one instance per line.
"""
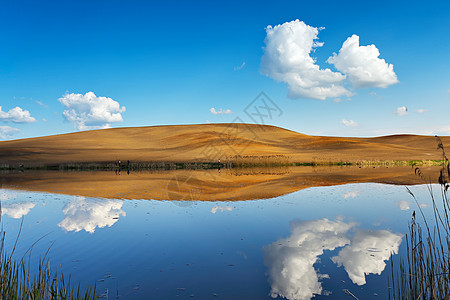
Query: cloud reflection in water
x=88 y=214
x=367 y=253
x=17 y=210
x=291 y=260
x=221 y=209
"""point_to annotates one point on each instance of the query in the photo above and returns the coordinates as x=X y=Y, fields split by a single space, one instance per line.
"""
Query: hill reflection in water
x=205 y=185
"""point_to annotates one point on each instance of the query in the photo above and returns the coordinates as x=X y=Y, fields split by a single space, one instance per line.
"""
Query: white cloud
x=91 y=112
x=220 y=111
x=16 y=115
x=291 y=260
x=240 y=67
x=421 y=110
x=362 y=65
x=401 y=111
x=349 y=123
x=403 y=205
x=17 y=210
x=6 y=132
x=367 y=253
x=41 y=104
x=287 y=59
x=221 y=209
x=351 y=194
x=88 y=214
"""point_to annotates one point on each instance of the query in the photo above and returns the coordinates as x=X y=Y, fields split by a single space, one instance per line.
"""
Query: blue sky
x=157 y=63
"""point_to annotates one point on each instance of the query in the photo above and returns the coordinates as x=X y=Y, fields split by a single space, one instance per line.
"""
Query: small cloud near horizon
x=7 y=132
x=220 y=111
x=401 y=111
x=349 y=123
x=421 y=110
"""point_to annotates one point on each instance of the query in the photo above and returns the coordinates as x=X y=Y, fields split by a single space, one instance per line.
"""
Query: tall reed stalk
x=425 y=273
x=17 y=280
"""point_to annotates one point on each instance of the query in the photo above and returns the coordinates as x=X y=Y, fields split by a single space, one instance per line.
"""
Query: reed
x=425 y=271
x=17 y=280
x=239 y=161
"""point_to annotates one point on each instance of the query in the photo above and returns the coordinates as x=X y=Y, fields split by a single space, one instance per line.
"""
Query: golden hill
x=209 y=142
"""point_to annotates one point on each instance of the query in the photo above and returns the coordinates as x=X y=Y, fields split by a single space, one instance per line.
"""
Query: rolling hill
x=209 y=142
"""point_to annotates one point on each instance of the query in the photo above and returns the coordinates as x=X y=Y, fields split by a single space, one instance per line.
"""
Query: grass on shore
x=228 y=163
x=17 y=281
x=425 y=274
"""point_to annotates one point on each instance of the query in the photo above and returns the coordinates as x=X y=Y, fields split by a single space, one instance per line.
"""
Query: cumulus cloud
x=6 y=132
x=367 y=253
x=91 y=112
x=362 y=65
x=291 y=260
x=403 y=205
x=240 y=67
x=16 y=115
x=287 y=58
x=221 y=209
x=88 y=214
x=17 y=210
x=220 y=111
x=421 y=110
x=401 y=111
x=349 y=123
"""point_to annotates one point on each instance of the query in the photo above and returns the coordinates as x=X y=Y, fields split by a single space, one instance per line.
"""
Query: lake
x=297 y=233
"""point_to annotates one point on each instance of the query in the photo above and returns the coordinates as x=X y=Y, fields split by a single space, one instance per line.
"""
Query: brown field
x=209 y=142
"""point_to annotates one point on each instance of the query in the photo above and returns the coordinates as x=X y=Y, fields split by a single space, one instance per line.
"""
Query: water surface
x=286 y=236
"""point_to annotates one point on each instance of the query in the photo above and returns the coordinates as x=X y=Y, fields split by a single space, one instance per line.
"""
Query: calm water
x=311 y=243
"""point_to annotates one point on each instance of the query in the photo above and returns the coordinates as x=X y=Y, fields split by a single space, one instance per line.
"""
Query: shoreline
x=206 y=165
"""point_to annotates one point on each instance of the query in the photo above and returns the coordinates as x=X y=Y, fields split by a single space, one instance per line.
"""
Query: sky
x=336 y=68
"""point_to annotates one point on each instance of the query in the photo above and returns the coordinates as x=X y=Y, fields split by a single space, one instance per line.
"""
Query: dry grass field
x=209 y=142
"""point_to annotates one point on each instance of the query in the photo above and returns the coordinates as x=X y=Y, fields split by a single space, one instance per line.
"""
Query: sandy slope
x=208 y=142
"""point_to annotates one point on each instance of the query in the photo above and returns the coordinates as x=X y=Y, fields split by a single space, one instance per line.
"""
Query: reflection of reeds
x=239 y=161
x=426 y=272
x=17 y=281
x=277 y=170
